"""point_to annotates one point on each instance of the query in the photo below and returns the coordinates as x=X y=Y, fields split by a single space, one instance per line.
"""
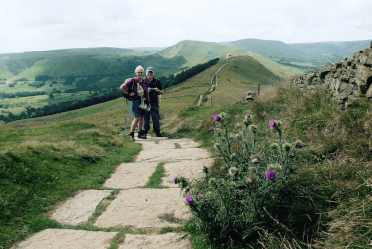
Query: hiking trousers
x=154 y=112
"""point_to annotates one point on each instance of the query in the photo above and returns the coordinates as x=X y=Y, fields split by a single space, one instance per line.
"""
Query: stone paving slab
x=164 y=241
x=186 y=143
x=149 y=139
x=191 y=169
x=143 y=208
x=131 y=175
x=78 y=209
x=169 y=155
x=68 y=239
x=163 y=144
x=168 y=144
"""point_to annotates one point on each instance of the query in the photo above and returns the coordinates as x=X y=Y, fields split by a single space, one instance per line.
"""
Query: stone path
x=134 y=206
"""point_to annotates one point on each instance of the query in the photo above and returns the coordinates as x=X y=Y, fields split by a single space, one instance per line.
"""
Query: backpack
x=127 y=96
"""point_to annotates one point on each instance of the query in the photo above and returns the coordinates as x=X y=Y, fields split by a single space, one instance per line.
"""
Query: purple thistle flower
x=272 y=123
x=270 y=175
x=189 y=199
x=214 y=129
x=233 y=170
x=248 y=115
x=252 y=169
x=216 y=118
x=201 y=196
x=175 y=180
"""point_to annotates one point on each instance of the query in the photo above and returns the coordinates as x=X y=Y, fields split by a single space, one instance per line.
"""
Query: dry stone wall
x=349 y=79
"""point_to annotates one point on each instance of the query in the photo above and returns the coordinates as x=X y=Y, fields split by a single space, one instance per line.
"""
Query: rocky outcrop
x=348 y=79
x=250 y=96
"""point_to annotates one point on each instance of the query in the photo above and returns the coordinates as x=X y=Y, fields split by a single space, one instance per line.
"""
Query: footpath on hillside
x=129 y=203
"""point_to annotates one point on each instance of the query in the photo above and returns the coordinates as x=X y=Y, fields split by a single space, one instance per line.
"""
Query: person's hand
x=132 y=94
x=157 y=90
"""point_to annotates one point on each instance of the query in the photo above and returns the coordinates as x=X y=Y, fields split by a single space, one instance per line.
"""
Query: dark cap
x=149 y=69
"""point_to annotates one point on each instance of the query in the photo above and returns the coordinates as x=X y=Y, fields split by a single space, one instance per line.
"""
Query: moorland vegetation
x=331 y=174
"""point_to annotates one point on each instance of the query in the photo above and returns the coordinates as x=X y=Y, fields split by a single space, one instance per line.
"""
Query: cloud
x=45 y=25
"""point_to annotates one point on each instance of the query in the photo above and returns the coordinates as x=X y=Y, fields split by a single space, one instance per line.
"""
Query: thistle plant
x=251 y=192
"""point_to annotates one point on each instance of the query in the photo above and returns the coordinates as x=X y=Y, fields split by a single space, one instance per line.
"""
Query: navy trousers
x=154 y=112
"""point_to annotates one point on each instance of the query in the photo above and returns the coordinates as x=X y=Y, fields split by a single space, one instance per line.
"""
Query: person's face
x=150 y=75
x=140 y=74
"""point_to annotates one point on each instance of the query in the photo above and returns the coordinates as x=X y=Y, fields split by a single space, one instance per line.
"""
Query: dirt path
x=10 y=81
x=214 y=83
x=148 y=209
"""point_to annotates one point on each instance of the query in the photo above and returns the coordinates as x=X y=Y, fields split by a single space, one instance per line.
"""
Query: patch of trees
x=37 y=84
x=42 y=78
x=172 y=80
x=69 y=80
x=21 y=94
x=19 y=80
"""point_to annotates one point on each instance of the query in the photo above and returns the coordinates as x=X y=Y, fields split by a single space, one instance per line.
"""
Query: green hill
x=283 y=71
x=83 y=62
x=241 y=74
x=317 y=53
x=196 y=52
x=334 y=51
x=271 y=49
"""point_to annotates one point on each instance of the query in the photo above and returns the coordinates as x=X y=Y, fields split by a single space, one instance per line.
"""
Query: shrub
x=255 y=190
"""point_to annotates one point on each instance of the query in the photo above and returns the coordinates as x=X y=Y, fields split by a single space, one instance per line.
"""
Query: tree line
x=21 y=94
x=172 y=80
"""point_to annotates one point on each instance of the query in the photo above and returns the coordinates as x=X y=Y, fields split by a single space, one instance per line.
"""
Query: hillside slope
x=241 y=74
x=196 y=52
x=83 y=62
x=334 y=51
x=271 y=49
x=316 y=53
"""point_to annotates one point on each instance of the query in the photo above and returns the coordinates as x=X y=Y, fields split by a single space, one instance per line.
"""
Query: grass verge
x=42 y=166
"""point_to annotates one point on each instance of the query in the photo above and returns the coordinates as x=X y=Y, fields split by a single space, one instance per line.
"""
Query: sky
x=41 y=25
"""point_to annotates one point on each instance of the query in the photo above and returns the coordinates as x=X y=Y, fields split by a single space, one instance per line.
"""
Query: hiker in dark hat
x=155 y=91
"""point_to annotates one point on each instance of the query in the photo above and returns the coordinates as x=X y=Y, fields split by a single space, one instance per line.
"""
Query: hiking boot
x=141 y=134
x=131 y=135
x=158 y=134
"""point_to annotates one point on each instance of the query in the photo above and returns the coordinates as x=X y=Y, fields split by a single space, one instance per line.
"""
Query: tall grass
x=337 y=159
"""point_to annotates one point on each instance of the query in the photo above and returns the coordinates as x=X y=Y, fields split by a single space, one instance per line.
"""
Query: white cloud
x=44 y=25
